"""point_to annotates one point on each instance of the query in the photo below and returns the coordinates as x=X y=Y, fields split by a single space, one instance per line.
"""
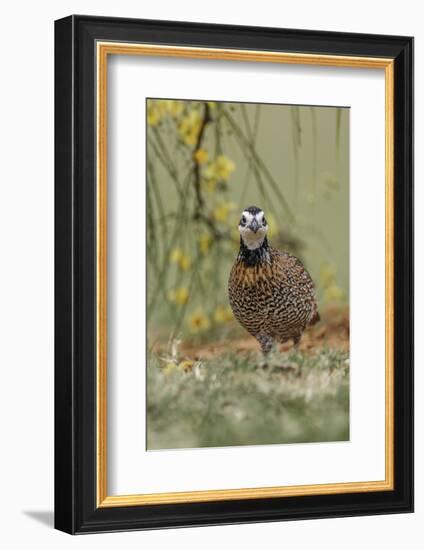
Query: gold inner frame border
x=103 y=50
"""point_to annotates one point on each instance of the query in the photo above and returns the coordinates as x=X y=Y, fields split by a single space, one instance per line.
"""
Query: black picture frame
x=76 y=510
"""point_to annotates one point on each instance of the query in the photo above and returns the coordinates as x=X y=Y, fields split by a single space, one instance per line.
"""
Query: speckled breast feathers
x=271 y=294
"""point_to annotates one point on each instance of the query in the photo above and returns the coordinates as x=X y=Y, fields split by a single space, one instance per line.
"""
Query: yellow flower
x=185 y=262
x=333 y=293
x=189 y=127
x=169 y=367
x=172 y=366
x=220 y=169
x=186 y=366
x=222 y=211
x=201 y=156
x=153 y=114
x=173 y=107
x=176 y=255
x=179 y=295
x=223 y=314
x=198 y=322
x=210 y=171
x=157 y=109
x=205 y=241
x=327 y=275
x=224 y=167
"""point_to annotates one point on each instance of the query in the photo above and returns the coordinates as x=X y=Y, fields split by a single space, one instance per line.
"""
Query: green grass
x=230 y=400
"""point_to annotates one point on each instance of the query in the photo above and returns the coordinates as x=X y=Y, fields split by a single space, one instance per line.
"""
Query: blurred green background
x=206 y=162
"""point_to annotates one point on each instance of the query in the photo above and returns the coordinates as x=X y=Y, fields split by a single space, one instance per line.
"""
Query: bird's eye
x=264 y=222
x=243 y=220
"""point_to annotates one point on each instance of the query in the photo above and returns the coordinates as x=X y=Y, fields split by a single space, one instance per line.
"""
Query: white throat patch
x=252 y=243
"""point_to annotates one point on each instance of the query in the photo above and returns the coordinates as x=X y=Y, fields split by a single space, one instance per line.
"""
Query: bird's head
x=253 y=227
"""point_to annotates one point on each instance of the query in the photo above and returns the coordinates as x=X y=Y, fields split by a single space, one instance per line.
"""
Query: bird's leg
x=273 y=358
x=267 y=344
x=296 y=341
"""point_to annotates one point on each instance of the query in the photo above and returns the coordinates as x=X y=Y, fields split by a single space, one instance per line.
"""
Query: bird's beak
x=254 y=226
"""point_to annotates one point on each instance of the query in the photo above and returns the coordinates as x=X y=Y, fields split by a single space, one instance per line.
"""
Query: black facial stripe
x=253 y=210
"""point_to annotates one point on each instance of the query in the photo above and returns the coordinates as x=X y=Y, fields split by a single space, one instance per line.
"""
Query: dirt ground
x=331 y=332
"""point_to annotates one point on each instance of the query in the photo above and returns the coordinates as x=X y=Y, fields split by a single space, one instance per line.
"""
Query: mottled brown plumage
x=271 y=293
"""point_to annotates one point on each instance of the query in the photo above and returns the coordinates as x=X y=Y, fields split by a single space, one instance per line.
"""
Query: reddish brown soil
x=331 y=332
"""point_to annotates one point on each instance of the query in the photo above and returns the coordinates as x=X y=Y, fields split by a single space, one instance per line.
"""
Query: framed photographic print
x=234 y=274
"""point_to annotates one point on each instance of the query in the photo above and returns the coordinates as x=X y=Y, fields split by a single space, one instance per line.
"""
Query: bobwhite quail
x=271 y=293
